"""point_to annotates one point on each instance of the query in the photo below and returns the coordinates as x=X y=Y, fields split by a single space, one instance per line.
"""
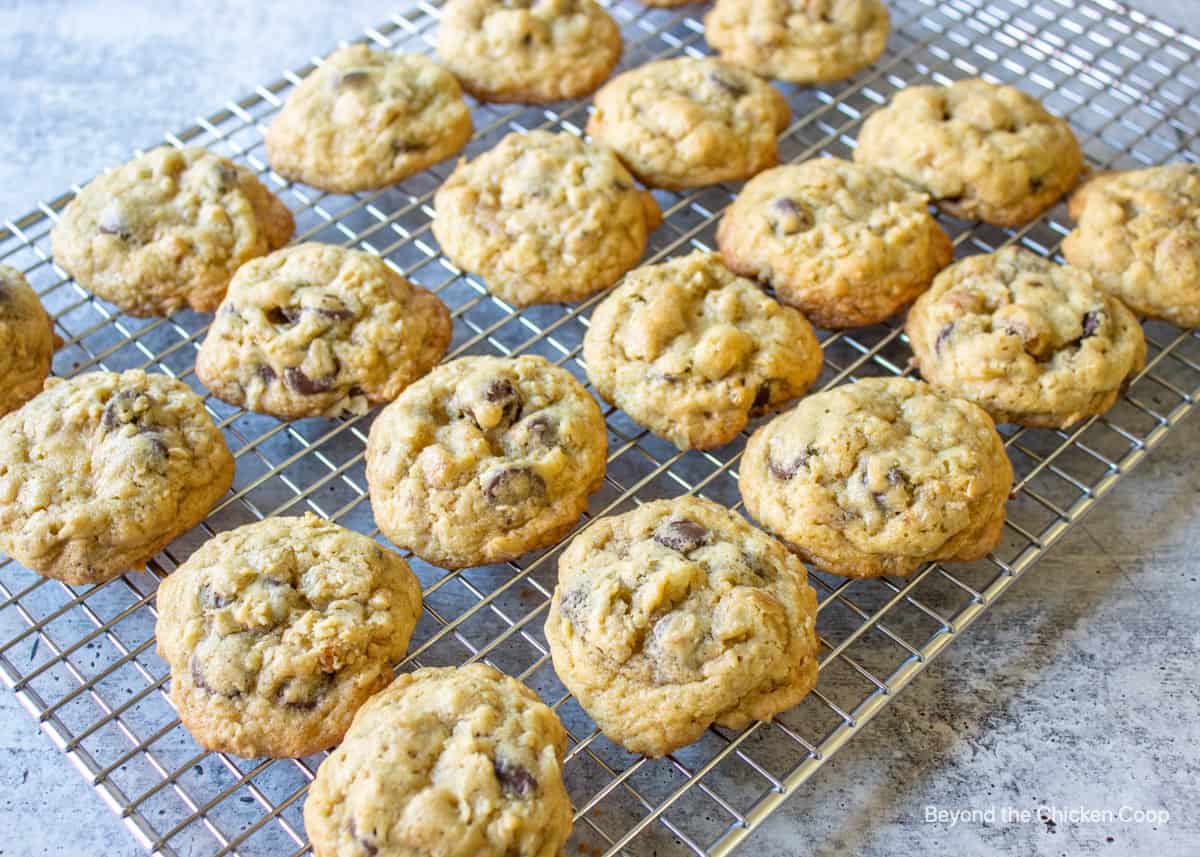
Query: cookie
x=879 y=476
x=484 y=459
x=366 y=119
x=278 y=631
x=533 y=51
x=166 y=231
x=27 y=341
x=1139 y=236
x=450 y=762
x=679 y=615
x=807 y=42
x=688 y=122
x=983 y=151
x=101 y=471
x=847 y=244
x=1031 y=342
x=690 y=351
x=319 y=330
x=544 y=218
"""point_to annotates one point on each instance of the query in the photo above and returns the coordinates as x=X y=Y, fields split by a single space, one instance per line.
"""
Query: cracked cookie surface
x=688 y=122
x=1031 y=342
x=316 y=330
x=27 y=341
x=802 y=41
x=462 y=762
x=983 y=151
x=101 y=471
x=485 y=458
x=276 y=632
x=1138 y=234
x=365 y=119
x=679 y=615
x=690 y=350
x=531 y=51
x=848 y=244
x=166 y=231
x=543 y=218
x=879 y=476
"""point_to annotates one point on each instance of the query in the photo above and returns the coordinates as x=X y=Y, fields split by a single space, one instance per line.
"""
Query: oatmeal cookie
x=1139 y=236
x=166 y=231
x=879 y=476
x=485 y=458
x=679 y=615
x=544 y=218
x=983 y=151
x=450 y=762
x=691 y=351
x=802 y=41
x=27 y=341
x=688 y=122
x=101 y=471
x=847 y=244
x=278 y=631
x=366 y=119
x=533 y=51
x=1031 y=342
x=316 y=330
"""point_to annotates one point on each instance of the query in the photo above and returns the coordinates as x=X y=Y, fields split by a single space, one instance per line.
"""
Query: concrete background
x=1078 y=689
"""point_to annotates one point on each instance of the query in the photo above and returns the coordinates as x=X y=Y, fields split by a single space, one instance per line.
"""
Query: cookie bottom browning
x=277 y=631
x=680 y=615
x=454 y=762
x=879 y=476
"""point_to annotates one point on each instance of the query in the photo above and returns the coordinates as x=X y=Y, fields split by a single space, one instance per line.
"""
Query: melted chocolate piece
x=504 y=393
x=787 y=471
x=1091 y=322
x=198 y=676
x=212 y=600
x=515 y=781
x=733 y=87
x=681 y=535
x=543 y=431
x=791 y=216
x=295 y=378
x=111 y=416
x=401 y=147
x=283 y=316
x=942 y=336
x=513 y=486
x=266 y=373
x=367 y=842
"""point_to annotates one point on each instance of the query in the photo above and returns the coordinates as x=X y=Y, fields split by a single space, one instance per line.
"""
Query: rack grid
x=81 y=659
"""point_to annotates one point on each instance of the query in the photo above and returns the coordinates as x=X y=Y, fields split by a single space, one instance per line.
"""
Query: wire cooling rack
x=82 y=660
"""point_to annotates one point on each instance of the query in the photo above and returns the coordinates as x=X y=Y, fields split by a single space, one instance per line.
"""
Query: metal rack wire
x=82 y=661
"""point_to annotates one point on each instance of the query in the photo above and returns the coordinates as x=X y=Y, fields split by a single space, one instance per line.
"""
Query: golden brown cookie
x=27 y=341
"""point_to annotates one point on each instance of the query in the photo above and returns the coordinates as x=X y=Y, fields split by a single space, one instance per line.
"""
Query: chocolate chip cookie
x=691 y=351
x=27 y=341
x=485 y=458
x=101 y=471
x=983 y=151
x=278 y=631
x=879 y=476
x=166 y=231
x=544 y=218
x=848 y=244
x=679 y=615
x=688 y=122
x=366 y=119
x=534 y=51
x=1031 y=342
x=460 y=762
x=319 y=330
x=802 y=41
x=1139 y=236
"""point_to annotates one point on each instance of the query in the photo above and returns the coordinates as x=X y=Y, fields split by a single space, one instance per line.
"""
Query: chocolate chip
x=1035 y=183
x=227 y=177
x=681 y=535
x=514 y=780
x=308 y=697
x=543 y=431
x=367 y=842
x=790 y=216
x=527 y=40
x=112 y=222
x=401 y=147
x=502 y=392
x=334 y=313
x=283 y=316
x=942 y=336
x=353 y=78
x=212 y=600
x=1091 y=322
x=266 y=373
x=788 y=470
x=111 y=416
x=295 y=378
x=895 y=476
x=512 y=486
x=733 y=87
x=198 y=676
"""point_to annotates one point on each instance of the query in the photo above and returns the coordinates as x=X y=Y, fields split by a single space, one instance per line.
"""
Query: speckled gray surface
x=1077 y=690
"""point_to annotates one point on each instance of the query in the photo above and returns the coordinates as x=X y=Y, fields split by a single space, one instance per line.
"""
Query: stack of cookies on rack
x=669 y=618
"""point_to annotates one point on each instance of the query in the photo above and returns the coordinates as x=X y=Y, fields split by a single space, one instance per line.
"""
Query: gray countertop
x=1078 y=689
